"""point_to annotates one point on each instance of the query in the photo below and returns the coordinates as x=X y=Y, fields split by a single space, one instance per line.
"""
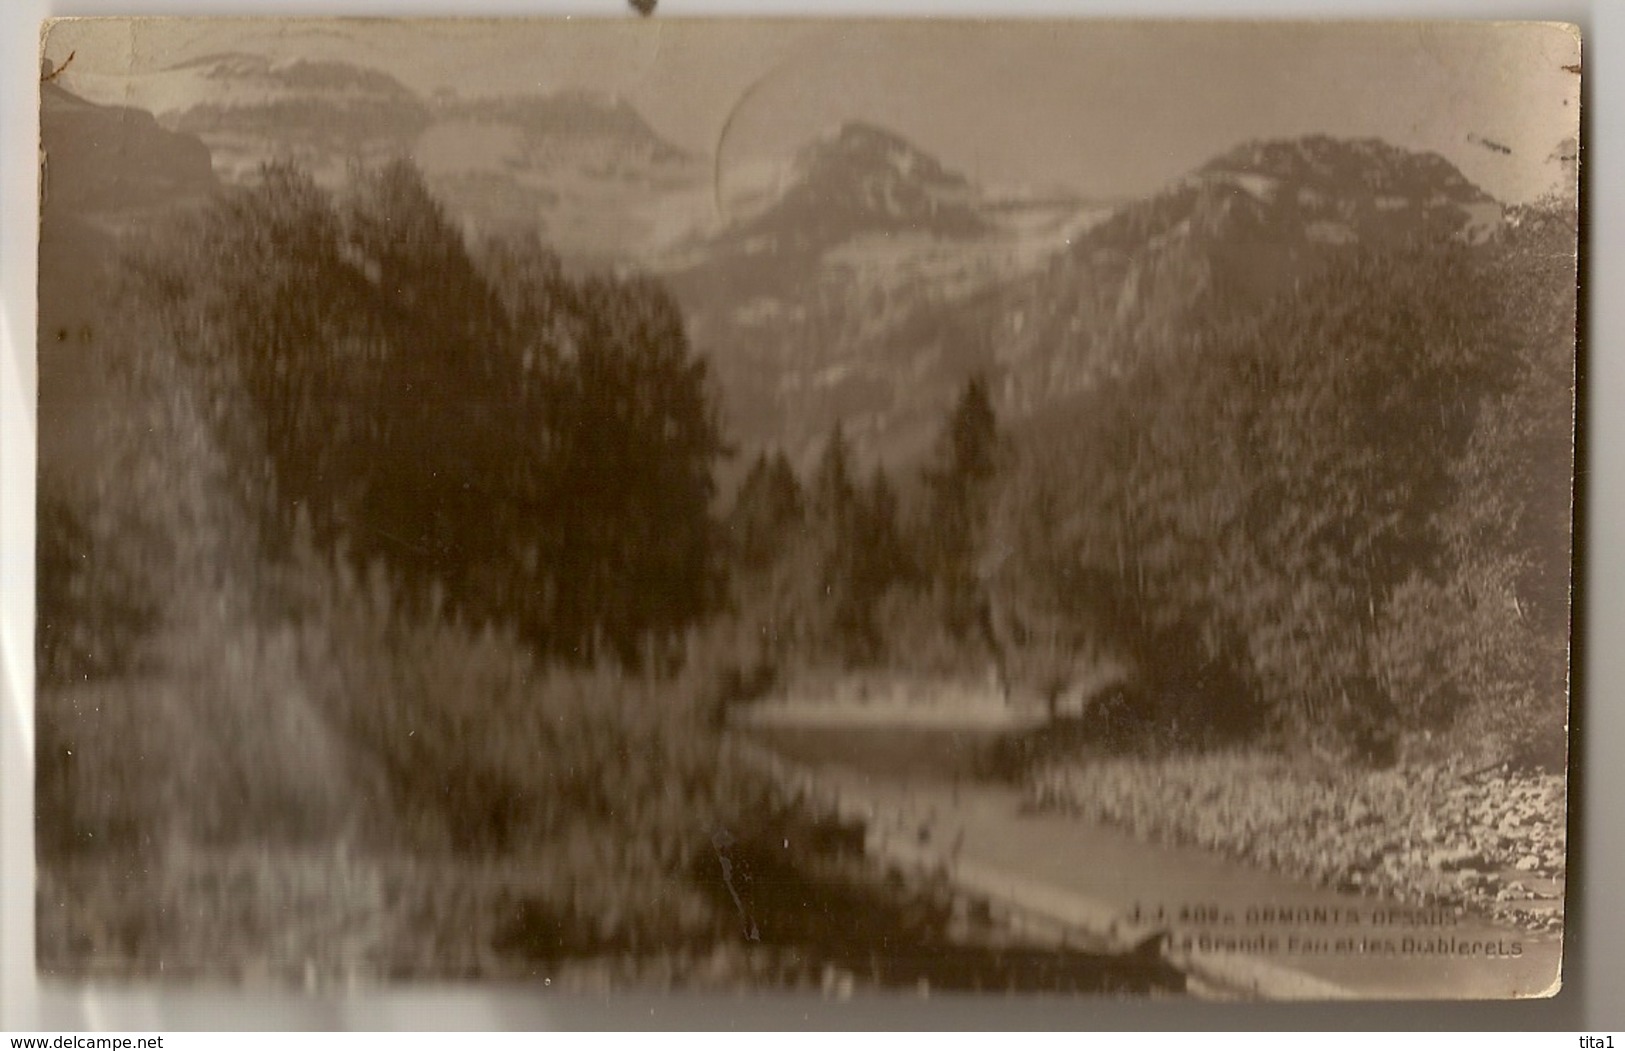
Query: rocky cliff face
x=584 y=168
x=322 y=115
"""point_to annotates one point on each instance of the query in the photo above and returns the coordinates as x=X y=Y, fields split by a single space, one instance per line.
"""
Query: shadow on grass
x=802 y=887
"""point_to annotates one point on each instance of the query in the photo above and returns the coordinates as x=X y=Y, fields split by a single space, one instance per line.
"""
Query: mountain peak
x=1347 y=166
x=859 y=179
x=1246 y=226
x=858 y=146
x=856 y=133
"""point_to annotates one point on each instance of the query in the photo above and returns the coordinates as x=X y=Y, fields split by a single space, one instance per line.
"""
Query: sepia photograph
x=833 y=507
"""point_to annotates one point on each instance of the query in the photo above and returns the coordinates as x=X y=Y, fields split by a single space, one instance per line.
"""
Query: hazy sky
x=1110 y=108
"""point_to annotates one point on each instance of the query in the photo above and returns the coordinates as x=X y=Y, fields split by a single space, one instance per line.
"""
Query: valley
x=479 y=451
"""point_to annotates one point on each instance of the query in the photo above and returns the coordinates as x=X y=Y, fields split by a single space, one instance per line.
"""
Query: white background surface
x=1593 y=997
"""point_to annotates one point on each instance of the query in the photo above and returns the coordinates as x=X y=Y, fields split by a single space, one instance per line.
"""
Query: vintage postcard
x=843 y=506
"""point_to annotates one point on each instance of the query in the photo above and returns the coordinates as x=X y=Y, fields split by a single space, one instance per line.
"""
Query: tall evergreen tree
x=837 y=524
x=535 y=448
x=767 y=509
x=639 y=440
x=884 y=557
x=833 y=495
x=958 y=485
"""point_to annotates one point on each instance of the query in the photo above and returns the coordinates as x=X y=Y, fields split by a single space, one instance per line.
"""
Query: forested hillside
x=540 y=448
x=1350 y=509
x=1339 y=521
x=365 y=622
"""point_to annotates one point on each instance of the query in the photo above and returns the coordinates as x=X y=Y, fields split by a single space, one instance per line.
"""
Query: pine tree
x=837 y=524
x=536 y=448
x=883 y=556
x=767 y=509
x=958 y=492
x=639 y=440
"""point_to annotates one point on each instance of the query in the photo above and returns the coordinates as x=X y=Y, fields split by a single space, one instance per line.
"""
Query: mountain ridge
x=584 y=168
x=875 y=278
x=858 y=178
x=1218 y=242
x=1238 y=229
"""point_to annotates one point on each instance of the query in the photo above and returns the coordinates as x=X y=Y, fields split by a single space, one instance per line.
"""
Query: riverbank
x=1238 y=929
x=1486 y=842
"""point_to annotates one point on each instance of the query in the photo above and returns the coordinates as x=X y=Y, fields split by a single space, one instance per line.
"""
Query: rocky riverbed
x=1488 y=841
